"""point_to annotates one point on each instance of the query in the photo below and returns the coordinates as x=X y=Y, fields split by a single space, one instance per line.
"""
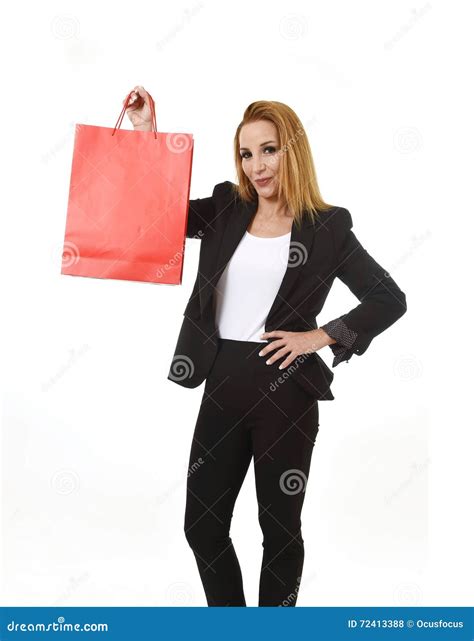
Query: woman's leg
x=219 y=460
x=242 y=414
x=283 y=441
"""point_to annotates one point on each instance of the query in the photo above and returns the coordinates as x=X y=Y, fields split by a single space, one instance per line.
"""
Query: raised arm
x=202 y=211
x=201 y=215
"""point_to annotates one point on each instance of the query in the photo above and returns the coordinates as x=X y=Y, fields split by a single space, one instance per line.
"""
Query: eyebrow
x=263 y=143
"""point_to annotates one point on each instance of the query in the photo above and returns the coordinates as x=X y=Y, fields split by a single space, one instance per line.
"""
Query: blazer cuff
x=345 y=338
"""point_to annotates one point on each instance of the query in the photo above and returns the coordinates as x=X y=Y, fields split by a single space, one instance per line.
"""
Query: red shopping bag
x=128 y=203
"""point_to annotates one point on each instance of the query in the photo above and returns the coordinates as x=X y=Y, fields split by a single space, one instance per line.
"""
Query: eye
x=244 y=155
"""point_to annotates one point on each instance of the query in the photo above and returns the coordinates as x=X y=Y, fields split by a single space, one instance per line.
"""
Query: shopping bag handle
x=152 y=108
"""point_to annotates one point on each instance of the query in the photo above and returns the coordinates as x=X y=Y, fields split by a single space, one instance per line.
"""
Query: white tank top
x=248 y=286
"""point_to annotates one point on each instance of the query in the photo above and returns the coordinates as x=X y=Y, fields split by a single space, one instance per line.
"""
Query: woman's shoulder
x=336 y=217
x=228 y=193
x=225 y=189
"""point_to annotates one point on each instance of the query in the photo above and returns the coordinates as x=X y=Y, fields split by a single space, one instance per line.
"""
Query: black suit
x=319 y=252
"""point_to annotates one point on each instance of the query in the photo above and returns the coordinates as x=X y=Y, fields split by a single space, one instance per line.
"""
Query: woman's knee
x=283 y=544
x=201 y=536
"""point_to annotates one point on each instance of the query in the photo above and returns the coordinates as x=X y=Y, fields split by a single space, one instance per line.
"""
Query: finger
x=275 y=332
x=131 y=98
x=287 y=361
x=270 y=347
x=140 y=90
x=142 y=94
x=282 y=352
x=136 y=99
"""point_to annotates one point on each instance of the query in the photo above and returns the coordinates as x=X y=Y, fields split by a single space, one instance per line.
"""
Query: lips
x=263 y=181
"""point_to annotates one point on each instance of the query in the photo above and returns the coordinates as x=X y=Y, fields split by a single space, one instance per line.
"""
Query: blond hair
x=297 y=181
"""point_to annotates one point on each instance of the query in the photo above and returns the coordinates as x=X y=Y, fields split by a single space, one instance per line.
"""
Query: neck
x=271 y=208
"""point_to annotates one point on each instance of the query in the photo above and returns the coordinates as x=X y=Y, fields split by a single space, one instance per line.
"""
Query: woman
x=270 y=251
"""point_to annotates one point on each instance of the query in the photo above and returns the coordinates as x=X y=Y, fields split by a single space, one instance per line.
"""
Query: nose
x=258 y=167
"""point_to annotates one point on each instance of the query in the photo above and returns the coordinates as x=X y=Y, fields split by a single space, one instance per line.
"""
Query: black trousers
x=250 y=409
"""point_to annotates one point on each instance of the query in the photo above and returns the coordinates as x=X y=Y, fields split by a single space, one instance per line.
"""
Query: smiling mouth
x=263 y=181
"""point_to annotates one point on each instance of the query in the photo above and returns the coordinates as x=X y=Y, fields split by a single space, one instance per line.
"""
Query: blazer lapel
x=301 y=241
x=233 y=233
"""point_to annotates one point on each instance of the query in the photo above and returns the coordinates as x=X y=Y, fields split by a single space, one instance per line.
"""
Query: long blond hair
x=297 y=181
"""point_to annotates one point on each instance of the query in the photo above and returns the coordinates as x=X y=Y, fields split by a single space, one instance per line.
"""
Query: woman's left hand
x=292 y=344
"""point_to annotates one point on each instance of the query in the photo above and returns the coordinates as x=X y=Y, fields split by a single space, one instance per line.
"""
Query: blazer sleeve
x=381 y=301
x=203 y=212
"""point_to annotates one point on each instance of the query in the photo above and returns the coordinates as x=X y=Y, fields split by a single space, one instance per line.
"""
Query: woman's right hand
x=139 y=109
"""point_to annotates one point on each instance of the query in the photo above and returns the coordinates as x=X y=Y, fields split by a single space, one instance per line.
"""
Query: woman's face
x=259 y=147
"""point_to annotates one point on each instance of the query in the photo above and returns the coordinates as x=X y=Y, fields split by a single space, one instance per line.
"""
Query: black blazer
x=319 y=252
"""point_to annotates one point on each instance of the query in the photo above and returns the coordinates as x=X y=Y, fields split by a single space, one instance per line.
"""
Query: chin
x=268 y=191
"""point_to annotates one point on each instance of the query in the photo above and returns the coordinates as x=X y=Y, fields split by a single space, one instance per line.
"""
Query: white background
x=96 y=438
